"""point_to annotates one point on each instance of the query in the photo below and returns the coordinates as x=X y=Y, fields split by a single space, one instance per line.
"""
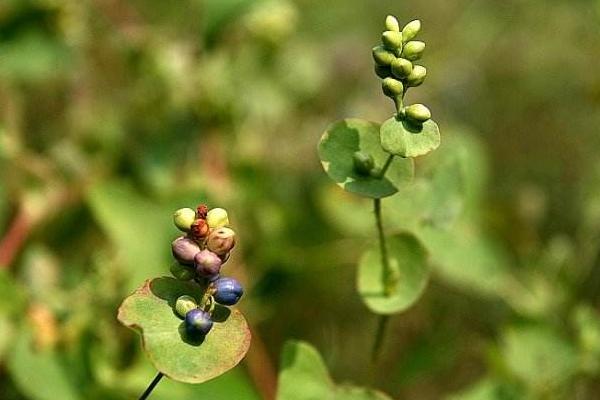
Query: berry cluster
x=394 y=65
x=200 y=254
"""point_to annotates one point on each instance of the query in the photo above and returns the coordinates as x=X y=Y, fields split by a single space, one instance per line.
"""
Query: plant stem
x=387 y=164
x=151 y=387
x=381 y=325
x=385 y=262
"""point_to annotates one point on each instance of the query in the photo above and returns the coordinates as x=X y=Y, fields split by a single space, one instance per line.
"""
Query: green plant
x=187 y=331
x=376 y=161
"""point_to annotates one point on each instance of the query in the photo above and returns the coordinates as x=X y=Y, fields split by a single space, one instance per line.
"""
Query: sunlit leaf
x=404 y=139
x=337 y=147
x=150 y=311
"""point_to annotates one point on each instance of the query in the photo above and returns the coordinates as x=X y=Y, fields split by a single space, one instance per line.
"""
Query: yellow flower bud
x=417 y=113
x=391 y=23
x=417 y=76
x=392 y=40
x=410 y=30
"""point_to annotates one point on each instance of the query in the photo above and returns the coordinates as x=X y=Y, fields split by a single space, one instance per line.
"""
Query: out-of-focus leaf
x=403 y=139
x=302 y=367
x=304 y=376
x=353 y=215
x=141 y=231
x=409 y=269
x=218 y=14
x=40 y=374
x=336 y=150
x=150 y=310
x=467 y=259
x=488 y=389
x=12 y=296
x=7 y=331
x=587 y=324
x=32 y=57
x=539 y=357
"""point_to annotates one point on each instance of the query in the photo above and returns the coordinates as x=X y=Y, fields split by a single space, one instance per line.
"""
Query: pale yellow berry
x=216 y=218
x=184 y=218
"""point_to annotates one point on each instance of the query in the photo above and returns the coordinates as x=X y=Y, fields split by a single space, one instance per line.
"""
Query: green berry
x=363 y=163
x=383 y=71
x=413 y=50
x=411 y=30
x=418 y=113
x=383 y=56
x=392 y=40
x=391 y=23
x=185 y=304
x=417 y=76
x=182 y=272
x=217 y=218
x=184 y=218
x=392 y=87
x=401 y=68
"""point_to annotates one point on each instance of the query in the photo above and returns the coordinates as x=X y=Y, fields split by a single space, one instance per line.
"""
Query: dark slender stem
x=387 y=272
x=379 y=335
x=387 y=164
x=151 y=387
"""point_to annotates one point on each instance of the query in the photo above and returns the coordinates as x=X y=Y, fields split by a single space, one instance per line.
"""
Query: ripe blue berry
x=207 y=263
x=227 y=291
x=197 y=322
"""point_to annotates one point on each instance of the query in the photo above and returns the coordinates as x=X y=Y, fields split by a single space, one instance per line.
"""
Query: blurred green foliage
x=113 y=114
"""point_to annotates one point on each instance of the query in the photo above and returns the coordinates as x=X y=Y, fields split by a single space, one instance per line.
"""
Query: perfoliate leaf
x=150 y=311
x=409 y=269
x=404 y=139
x=336 y=150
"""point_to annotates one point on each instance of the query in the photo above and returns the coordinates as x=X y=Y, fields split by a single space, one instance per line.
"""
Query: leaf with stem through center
x=150 y=311
x=337 y=147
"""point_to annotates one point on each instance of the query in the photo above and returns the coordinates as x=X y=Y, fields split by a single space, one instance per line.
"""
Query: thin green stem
x=387 y=164
x=379 y=335
x=151 y=387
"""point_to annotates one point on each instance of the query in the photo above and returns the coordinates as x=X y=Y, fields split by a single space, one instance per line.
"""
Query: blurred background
x=115 y=113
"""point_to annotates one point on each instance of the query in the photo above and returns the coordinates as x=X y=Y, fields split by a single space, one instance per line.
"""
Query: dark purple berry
x=184 y=249
x=227 y=291
x=207 y=263
x=197 y=322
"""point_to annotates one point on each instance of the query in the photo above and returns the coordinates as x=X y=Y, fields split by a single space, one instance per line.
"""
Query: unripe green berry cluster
x=394 y=64
x=200 y=254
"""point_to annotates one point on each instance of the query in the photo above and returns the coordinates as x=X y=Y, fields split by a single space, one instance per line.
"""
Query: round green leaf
x=337 y=147
x=404 y=139
x=408 y=263
x=302 y=367
x=150 y=311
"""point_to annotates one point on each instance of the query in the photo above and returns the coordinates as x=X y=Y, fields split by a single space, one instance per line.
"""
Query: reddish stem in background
x=14 y=238
x=260 y=368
